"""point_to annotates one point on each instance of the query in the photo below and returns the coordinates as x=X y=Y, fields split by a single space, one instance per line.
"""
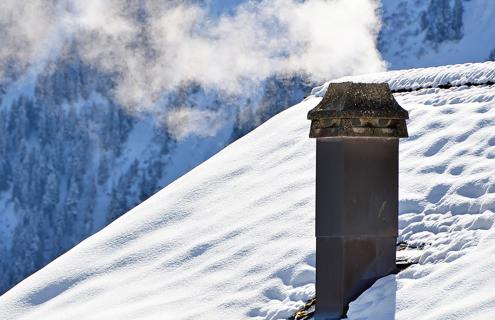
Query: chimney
x=357 y=127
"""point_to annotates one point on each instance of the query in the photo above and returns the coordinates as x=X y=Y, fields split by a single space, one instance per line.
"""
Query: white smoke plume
x=155 y=46
x=182 y=122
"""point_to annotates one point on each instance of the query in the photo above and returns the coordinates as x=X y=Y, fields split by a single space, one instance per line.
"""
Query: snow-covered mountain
x=418 y=33
x=73 y=159
x=234 y=237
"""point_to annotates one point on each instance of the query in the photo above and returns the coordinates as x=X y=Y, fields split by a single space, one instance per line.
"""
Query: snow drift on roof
x=412 y=79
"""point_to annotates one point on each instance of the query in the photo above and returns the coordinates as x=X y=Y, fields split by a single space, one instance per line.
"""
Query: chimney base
x=347 y=266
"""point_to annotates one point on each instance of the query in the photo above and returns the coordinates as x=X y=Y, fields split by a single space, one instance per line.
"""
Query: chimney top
x=358 y=109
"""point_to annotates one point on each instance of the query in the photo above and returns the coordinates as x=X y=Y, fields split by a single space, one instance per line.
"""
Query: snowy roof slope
x=412 y=79
x=234 y=238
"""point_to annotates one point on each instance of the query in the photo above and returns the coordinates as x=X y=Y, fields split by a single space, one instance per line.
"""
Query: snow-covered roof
x=434 y=77
x=234 y=238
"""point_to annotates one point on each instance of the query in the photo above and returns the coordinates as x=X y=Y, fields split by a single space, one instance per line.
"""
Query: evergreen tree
x=103 y=173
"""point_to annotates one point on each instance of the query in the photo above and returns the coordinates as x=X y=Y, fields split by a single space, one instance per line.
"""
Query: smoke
x=182 y=122
x=155 y=46
x=24 y=29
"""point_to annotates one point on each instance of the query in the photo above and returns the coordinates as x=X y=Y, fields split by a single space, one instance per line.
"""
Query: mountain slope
x=436 y=32
x=234 y=238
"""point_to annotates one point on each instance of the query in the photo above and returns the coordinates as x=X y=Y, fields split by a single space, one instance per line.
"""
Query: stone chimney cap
x=358 y=109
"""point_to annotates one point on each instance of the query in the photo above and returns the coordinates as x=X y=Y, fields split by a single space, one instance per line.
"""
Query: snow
x=234 y=238
x=455 y=75
x=462 y=289
x=404 y=44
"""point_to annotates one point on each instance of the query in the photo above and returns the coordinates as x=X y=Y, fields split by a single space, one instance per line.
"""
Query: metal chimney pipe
x=357 y=127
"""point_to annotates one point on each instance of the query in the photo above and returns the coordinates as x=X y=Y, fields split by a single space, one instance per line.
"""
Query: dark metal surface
x=356 y=218
x=357 y=186
x=346 y=267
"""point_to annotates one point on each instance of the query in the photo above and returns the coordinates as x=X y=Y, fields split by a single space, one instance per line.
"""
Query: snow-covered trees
x=443 y=20
x=50 y=146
